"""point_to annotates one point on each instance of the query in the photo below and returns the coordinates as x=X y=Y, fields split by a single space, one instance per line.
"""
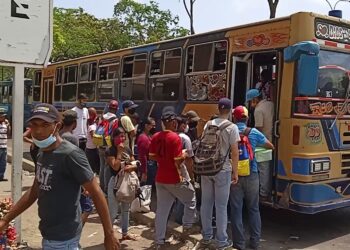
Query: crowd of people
x=81 y=158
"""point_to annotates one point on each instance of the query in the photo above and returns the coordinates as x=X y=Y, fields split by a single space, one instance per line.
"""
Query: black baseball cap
x=128 y=104
x=46 y=112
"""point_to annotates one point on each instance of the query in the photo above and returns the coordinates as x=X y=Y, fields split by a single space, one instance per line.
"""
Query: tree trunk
x=190 y=14
x=273 y=7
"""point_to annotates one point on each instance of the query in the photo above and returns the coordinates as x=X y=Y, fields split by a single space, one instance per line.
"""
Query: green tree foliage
x=77 y=33
x=146 y=23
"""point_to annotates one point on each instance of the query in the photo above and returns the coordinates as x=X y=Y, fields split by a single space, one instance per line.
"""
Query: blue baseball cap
x=251 y=94
x=225 y=103
x=129 y=104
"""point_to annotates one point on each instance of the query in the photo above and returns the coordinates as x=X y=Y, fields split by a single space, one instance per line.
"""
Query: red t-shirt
x=166 y=146
x=143 y=143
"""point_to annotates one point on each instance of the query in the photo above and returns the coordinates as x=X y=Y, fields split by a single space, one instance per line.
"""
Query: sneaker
x=194 y=229
x=204 y=242
x=227 y=246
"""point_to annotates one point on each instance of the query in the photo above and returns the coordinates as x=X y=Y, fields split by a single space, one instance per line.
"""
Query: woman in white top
x=91 y=149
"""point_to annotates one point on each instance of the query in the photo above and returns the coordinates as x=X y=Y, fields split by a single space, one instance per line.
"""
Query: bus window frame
x=37 y=85
x=89 y=81
x=212 y=57
x=163 y=74
x=70 y=83
x=177 y=75
x=76 y=73
x=226 y=70
x=58 y=84
x=89 y=72
x=115 y=88
x=134 y=78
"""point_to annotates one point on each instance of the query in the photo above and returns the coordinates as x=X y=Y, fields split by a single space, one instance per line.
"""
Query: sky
x=215 y=14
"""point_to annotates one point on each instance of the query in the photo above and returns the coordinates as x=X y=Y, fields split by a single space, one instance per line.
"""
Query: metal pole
x=17 y=139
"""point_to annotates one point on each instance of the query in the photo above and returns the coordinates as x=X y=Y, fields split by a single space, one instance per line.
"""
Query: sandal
x=128 y=237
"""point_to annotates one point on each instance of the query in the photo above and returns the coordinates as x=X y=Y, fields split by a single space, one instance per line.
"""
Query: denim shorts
x=86 y=204
x=72 y=244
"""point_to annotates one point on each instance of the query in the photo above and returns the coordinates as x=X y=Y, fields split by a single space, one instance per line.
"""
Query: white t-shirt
x=89 y=143
x=230 y=136
x=263 y=116
x=186 y=144
x=81 y=130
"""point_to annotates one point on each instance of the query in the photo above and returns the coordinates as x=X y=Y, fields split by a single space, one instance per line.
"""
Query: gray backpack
x=208 y=159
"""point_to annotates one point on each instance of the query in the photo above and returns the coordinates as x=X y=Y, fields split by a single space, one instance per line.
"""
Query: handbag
x=142 y=203
x=127 y=186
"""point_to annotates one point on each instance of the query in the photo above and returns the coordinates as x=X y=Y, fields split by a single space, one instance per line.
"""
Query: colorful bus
x=307 y=58
x=6 y=98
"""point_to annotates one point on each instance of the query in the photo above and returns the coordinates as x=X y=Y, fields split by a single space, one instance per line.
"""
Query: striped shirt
x=3 y=135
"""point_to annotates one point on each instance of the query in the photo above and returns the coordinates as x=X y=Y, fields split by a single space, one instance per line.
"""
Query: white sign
x=26 y=31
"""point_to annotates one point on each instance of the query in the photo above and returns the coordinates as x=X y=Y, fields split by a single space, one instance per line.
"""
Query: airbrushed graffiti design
x=322 y=108
x=333 y=32
x=313 y=132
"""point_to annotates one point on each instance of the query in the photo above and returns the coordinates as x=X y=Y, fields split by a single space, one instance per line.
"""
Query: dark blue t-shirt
x=60 y=174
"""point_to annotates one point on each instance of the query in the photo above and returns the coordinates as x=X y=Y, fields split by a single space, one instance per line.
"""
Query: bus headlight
x=320 y=166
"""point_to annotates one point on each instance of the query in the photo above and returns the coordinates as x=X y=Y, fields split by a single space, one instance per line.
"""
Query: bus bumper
x=312 y=198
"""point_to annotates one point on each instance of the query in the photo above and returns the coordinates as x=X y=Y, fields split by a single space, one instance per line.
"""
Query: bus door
x=48 y=90
x=241 y=72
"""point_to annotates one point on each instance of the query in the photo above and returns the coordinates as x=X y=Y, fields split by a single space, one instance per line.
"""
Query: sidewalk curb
x=172 y=227
x=26 y=164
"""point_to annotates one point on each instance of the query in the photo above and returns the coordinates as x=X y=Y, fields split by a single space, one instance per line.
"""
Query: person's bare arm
x=27 y=136
x=23 y=204
x=132 y=133
x=234 y=159
x=110 y=242
x=189 y=167
x=268 y=145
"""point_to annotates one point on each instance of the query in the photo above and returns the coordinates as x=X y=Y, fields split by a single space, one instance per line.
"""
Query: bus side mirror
x=307 y=75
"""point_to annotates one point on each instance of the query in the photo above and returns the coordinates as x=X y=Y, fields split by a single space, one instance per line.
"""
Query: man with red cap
x=112 y=119
x=247 y=187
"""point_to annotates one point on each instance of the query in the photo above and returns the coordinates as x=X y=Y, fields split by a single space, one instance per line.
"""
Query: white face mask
x=187 y=129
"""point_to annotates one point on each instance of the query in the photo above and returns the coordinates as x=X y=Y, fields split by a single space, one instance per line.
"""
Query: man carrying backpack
x=247 y=188
x=129 y=109
x=212 y=162
x=102 y=139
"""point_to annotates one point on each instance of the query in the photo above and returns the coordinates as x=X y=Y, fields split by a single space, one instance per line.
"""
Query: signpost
x=25 y=41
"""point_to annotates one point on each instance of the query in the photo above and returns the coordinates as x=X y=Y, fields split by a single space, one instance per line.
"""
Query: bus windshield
x=332 y=87
x=333 y=78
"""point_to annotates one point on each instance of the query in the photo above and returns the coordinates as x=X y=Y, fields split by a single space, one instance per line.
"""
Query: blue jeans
x=247 y=189
x=151 y=172
x=3 y=154
x=72 y=244
x=105 y=172
x=215 y=189
x=116 y=207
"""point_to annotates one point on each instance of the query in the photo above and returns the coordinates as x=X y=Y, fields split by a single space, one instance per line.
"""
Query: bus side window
x=87 y=80
x=37 y=86
x=69 y=88
x=108 y=78
x=58 y=84
x=165 y=75
x=134 y=77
